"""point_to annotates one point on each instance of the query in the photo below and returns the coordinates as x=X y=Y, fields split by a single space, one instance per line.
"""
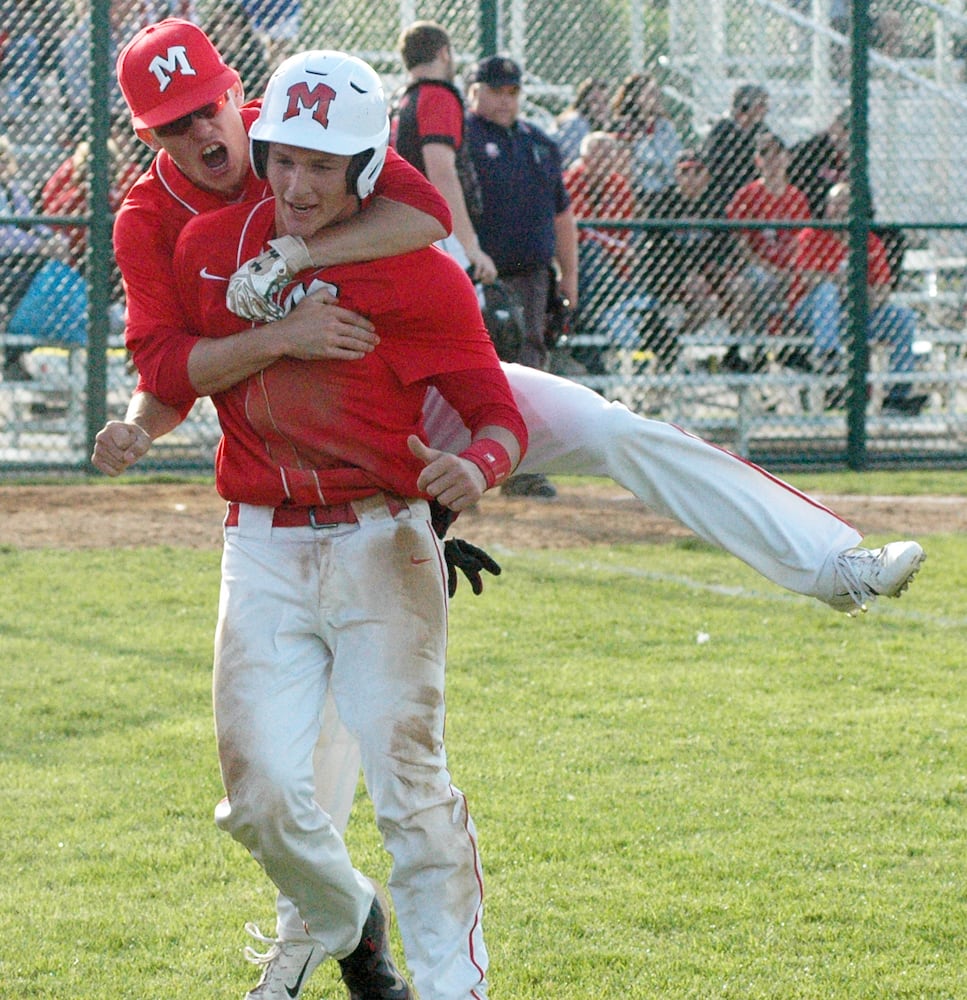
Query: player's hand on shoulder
x=456 y=482
x=117 y=446
x=252 y=289
x=319 y=329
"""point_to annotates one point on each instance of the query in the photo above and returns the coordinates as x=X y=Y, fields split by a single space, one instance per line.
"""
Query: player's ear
x=238 y=94
x=147 y=137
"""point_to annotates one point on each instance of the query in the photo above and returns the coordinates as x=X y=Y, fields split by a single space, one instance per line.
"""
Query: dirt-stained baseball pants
x=358 y=610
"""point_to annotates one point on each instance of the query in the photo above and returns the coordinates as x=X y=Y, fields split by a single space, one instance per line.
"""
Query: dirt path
x=106 y=515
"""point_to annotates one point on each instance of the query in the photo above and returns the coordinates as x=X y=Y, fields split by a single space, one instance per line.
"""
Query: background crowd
x=623 y=217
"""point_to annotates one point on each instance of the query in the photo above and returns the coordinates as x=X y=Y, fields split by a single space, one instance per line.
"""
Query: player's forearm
x=151 y=415
x=447 y=183
x=216 y=364
x=385 y=228
x=566 y=252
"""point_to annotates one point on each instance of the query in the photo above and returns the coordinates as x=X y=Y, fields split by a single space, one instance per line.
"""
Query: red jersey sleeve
x=439 y=117
x=483 y=398
x=155 y=331
x=401 y=181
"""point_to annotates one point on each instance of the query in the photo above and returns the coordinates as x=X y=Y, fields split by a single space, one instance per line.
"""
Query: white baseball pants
x=358 y=610
x=783 y=534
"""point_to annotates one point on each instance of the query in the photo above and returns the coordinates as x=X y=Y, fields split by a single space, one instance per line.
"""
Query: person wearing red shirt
x=66 y=191
x=816 y=298
x=769 y=253
x=186 y=104
x=427 y=130
x=333 y=576
x=599 y=188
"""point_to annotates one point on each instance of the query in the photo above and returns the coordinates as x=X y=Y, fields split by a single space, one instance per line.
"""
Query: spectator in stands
x=279 y=22
x=20 y=55
x=40 y=20
x=819 y=162
x=231 y=29
x=612 y=304
x=729 y=149
x=74 y=55
x=23 y=249
x=599 y=188
x=588 y=112
x=638 y=117
x=817 y=299
x=66 y=192
x=691 y=267
x=526 y=225
x=822 y=160
x=769 y=253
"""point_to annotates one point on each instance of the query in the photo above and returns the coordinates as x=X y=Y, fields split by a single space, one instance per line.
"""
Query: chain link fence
x=738 y=173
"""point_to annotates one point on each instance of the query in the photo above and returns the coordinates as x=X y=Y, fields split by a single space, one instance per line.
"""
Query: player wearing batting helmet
x=333 y=577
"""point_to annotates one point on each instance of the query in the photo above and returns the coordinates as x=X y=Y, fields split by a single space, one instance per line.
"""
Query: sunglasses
x=181 y=125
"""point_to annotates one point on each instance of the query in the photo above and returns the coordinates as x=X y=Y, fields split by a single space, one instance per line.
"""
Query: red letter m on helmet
x=319 y=99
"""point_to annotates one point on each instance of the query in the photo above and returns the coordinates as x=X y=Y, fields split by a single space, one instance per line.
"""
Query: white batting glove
x=253 y=287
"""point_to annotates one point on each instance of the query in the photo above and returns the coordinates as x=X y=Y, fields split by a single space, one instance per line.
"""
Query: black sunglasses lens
x=181 y=125
x=178 y=127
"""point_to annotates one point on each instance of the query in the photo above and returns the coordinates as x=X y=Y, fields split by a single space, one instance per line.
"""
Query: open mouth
x=215 y=156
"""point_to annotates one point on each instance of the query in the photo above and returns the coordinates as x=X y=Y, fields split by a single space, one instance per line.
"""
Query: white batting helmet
x=330 y=102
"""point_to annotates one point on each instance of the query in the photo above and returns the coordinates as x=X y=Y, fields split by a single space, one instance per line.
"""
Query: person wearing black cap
x=729 y=150
x=526 y=226
x=691 y=267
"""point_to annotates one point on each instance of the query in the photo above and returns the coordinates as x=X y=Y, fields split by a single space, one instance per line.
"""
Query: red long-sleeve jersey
x=313 y=432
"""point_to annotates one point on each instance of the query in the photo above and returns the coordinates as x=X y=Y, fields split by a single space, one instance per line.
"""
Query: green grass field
x=777 y=812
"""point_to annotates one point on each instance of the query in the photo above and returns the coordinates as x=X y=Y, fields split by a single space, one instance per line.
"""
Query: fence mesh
x=705 y=148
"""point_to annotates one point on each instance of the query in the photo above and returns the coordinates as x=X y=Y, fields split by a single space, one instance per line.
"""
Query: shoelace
x=258 y=957
x=847 y=564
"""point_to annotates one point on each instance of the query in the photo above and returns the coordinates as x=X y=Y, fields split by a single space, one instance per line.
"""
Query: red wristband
x=491 y=458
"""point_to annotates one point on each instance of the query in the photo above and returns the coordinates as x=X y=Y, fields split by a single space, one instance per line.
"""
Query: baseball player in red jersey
x=185 y=103
x=333 y=577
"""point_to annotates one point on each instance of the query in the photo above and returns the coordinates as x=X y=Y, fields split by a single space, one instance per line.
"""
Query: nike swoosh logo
x=293 y=991
x=419 y=562
x=205 y=273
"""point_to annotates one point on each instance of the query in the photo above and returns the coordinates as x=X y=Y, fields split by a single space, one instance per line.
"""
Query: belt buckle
x=319 y=525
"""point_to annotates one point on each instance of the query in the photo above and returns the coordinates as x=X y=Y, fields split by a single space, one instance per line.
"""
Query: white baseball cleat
x=287 y=966
x=862 y=575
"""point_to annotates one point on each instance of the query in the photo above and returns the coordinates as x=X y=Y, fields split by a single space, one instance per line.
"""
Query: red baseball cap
x=170 y=69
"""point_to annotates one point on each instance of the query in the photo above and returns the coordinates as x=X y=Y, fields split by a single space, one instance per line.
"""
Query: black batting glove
x=441 y=518
x=470 y=560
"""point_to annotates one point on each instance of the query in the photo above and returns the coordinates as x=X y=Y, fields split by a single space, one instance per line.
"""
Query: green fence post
x=859 y=229
x=100 y=251
x=489 y=15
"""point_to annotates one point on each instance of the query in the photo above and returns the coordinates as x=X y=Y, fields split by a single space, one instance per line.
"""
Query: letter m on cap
x=165 y=67
x=318 y=99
